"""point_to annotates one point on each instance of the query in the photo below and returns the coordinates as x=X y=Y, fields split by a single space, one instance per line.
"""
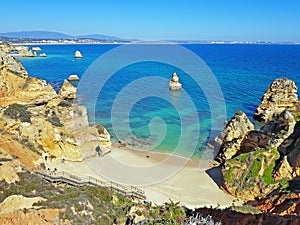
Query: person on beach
x=98 y=150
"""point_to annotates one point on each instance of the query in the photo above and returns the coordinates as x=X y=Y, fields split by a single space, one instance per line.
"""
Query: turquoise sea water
x=242 y=71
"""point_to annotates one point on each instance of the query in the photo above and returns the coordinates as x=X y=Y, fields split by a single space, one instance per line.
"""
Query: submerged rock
x=281 y=95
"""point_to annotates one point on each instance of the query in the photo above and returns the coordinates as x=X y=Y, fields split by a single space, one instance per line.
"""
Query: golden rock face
x=42 y=120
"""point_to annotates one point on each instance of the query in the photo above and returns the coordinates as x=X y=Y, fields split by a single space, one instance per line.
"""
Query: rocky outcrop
x=17 y=87
x=289 y=166
x=281 y=95
x=59 y=128
x=67 y=91
x=291 y=147
x=73 y=77
x=231 y=137
x=22 y=51
x=263 y=160
x=271 y=135
x=34 y=216
x=174 y=83
x=250 y=175
x=78 y=54
x=16 y=202
x=279 y=202
x=41 y=120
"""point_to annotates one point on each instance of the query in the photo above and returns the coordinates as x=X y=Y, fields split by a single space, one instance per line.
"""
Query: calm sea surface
x=242 y=71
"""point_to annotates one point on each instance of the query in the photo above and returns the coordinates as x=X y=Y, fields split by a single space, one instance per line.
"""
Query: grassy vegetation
x=267 y=177
x=254 y=171
x=255 y=168
x=107 y=207
x=243 y=158
x=104 y=211
x=246 y=209
x=18 y=112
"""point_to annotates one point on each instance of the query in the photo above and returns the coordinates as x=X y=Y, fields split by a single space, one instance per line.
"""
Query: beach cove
x=192 y=185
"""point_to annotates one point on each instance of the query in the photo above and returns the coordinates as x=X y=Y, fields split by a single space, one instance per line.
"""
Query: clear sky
x=266 y=20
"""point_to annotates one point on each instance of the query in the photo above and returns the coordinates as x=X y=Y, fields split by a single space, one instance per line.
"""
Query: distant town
x=46 y=37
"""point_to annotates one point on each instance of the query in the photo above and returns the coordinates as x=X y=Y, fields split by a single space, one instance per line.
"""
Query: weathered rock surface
x=289 y=166
x=62 y=130
x=279 y=202
x=231 y=137
x=16 y=202
x=33 y=216
x=263 y=160
x=41 y=120
x=281 y=95
x=174 y=83
x=73 y=77
x=271 y=135
x=78 y=54
x=22 y=51
x=67 y=91
x=17 y=87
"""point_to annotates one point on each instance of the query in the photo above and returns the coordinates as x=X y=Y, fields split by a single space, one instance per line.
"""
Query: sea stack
x=174 y=83
x=78 y=54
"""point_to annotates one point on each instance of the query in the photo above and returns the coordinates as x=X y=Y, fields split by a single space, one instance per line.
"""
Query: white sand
x=156 y=174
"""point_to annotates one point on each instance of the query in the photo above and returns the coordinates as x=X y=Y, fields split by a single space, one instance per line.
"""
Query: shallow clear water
x=242 y=71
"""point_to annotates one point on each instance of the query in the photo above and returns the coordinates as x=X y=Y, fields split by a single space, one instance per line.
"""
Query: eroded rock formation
x=232 y=136
x=281 y=95
x=67 y=91
x=41 y=120
x=264 y=160
x=17 y=87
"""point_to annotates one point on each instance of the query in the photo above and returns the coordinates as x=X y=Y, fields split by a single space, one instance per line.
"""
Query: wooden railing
x=65 y=177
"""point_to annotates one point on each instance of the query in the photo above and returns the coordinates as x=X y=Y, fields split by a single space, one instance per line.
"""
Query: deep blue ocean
x=243 y=72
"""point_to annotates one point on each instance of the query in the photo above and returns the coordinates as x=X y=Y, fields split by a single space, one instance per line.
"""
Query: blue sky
x=266 y=20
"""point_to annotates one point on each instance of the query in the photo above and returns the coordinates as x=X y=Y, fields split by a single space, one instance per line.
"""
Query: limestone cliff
x=67 y=91
x=281 y=95
x=257 y=162
x=41 y=120
x=232 y=136
x=17 y=87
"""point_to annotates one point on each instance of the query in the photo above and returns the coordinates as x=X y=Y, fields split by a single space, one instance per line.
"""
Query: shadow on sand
x=215 y=173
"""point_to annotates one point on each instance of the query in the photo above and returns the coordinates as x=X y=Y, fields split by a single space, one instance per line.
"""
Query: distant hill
x=56 y=35
x=99 y=37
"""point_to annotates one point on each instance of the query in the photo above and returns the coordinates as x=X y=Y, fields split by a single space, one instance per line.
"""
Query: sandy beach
x=163 y=179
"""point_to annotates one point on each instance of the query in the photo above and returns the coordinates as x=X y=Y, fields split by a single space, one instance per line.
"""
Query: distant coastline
x=154 y=42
